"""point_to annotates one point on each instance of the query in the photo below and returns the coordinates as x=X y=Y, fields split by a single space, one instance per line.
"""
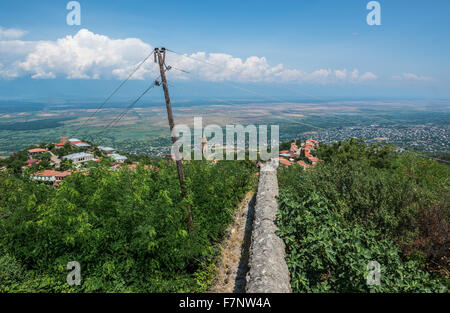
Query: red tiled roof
x=47 y=173
x=63 y=174
x=285 y=162
x=133 y=166
x=35 y=150
x=313 y=159
x=60 y=144
x=32 y=161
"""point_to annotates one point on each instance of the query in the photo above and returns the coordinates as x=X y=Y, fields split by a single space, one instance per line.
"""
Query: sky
x=308 y=49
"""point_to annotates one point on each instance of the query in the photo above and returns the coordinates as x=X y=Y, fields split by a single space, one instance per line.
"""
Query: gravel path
x=233 y=265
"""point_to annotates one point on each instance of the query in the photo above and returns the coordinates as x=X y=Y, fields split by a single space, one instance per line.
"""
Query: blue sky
x=319 y=43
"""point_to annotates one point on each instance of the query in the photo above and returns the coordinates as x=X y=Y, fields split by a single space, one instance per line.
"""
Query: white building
x=80 y=144
x=50 y=176
x=118 y=158
x=79 y=157
x=107 y=150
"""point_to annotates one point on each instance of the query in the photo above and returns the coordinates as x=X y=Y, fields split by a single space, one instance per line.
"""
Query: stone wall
x=268 y=270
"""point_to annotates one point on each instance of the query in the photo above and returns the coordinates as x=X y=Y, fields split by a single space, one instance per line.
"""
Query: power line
x=241 y=88
x=259 y=94
x=295 y=91
x=190 y=57
x=227 y=83
x=233 y=70
x=245 y=89
x=178 y=69
x=115 y=91
x=249 y=91
x=129 y=107
x=296 y=122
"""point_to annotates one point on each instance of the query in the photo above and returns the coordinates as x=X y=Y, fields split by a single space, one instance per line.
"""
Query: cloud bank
x=87 y=55
x=11 y=33
x=411 y=76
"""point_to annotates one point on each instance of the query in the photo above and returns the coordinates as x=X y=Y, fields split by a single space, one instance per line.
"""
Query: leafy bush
x=326 y=254
x=390 y=204
x=126 y=228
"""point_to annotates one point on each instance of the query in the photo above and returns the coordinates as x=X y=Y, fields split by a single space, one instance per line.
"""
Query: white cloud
x=11 y=33
x=86 y=55
x=368 y=76
x=83 y=56
x=355 y=77
x=411 y=76
x=341 y=74
x=11 y=54
x=254 y=69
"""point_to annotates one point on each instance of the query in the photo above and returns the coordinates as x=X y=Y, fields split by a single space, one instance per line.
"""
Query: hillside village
x=300 y=155
x=51 y=163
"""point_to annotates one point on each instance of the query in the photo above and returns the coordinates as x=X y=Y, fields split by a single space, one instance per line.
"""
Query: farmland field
x=408 y=124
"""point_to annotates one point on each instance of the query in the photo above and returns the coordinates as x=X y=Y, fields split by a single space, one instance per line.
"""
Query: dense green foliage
x=364 y=203
x=127 y=228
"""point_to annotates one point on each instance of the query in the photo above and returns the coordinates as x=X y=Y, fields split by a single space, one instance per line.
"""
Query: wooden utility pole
x=160 y=56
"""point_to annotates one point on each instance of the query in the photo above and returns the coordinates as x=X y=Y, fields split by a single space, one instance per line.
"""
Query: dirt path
x=233 y=264
x=54 y=159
